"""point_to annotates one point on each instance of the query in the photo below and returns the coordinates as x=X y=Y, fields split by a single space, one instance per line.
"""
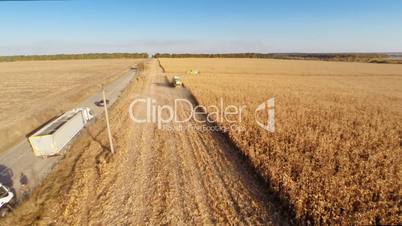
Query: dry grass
x=34 y=91
x=336 y=154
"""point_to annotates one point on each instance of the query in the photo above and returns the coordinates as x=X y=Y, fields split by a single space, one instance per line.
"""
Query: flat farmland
x=336 y=152
x=32 y=92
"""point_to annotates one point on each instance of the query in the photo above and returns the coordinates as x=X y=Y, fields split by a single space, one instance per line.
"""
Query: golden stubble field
x=33 y=92
x=336 y=154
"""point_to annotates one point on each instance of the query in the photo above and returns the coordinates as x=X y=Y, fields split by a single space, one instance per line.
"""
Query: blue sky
x=200 y=26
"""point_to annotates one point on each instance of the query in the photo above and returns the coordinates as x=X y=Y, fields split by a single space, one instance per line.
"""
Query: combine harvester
x=51 y=139
x=194 y=72
x=177 y=81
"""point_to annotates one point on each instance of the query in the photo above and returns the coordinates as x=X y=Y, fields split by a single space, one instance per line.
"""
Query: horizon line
x=205 y=53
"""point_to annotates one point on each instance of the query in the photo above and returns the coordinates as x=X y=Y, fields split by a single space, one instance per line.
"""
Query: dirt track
x=156 y=176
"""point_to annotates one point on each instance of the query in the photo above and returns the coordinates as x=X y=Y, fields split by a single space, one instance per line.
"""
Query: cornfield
x=336 y=153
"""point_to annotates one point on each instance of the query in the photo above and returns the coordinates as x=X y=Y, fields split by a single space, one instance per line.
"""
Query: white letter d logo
x=269 y=107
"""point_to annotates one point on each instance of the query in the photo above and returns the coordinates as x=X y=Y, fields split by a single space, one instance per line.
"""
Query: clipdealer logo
x=148 y=111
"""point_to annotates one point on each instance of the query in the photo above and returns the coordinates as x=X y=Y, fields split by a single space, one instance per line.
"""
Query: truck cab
x=6 y=197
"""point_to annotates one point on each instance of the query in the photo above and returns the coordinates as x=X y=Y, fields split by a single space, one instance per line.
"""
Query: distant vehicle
x=177 y=81
x=101 y=103
x=51 y=138
x=193 y=72
x=6 y=198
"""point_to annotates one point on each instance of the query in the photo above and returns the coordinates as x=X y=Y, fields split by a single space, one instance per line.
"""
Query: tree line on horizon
x=344 y=57
x=73 y=56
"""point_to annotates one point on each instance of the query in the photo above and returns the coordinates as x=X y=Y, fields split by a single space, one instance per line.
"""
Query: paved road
x=21 y=170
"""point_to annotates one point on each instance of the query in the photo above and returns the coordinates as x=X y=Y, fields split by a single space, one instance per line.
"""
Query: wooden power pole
x=107 y=121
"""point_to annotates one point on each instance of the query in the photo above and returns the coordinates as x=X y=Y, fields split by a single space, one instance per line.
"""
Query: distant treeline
x=224 y=55
x=346 y=57
x=73 y=56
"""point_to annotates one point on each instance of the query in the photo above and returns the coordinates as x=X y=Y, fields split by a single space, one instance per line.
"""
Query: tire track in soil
x=200 y=199
x=199 y=195
x=177 y=211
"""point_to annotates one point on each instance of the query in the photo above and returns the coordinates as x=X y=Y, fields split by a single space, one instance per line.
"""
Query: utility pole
x=107 y=120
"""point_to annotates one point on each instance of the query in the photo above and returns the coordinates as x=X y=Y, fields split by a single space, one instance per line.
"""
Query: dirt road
x=156 y=176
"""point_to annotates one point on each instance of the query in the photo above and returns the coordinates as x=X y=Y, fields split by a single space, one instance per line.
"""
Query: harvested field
x=32 y=92
x=336 y=154
x=156 y=176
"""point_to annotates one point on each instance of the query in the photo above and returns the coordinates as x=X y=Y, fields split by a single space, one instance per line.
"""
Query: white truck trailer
x=51 y=138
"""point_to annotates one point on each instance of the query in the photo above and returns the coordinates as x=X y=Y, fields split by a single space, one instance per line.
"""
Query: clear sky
x=207 y=26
